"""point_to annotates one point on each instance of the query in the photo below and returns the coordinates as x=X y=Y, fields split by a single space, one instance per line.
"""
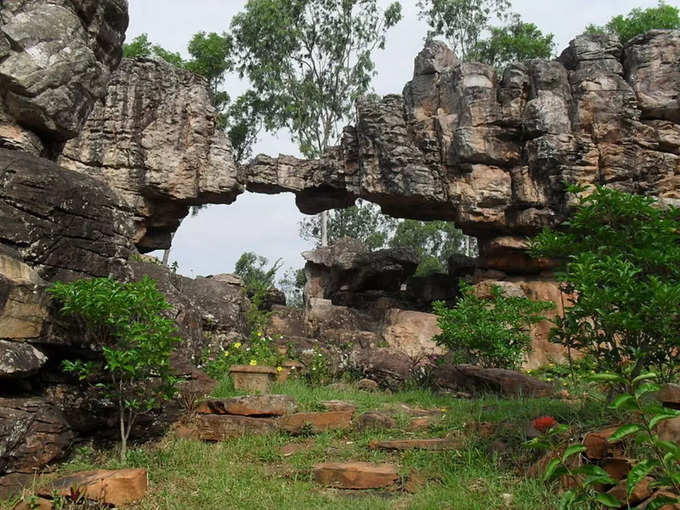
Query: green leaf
x=567 y=500
x=572 y=450
x=624 y=431
x=646 y=388
x=623 y=400
x=637 y=473
x=644 y=377
x=608 y=500
x=660 y=502
x=661 y=417
x=606 y=377
x=550 y=469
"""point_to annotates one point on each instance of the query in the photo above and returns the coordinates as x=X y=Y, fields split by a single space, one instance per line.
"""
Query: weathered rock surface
x=23 y=303
x=417 y=444
x=111 y=487
x=60 y=222
x=215 y=427
x=390 y=369
x=317 y=422
x=156 y=141
x=19 y=359
x=251 y=405
x=33 y=433
x=412 y=332
x=55 y=61
x=477 y=379
x=355 y=475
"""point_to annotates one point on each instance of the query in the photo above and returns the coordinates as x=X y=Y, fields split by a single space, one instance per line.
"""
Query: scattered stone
x=112 y=487
x=498 y=380
x=423 y=422
x=417 y=444
x=482 y=429
x=251 y=405
x=597 y=444
x=333 y=420
x=375 y=420
x=669 y=430
x=641 y=491
x=415 y=482
x=257 y=379
x=368 y=385
x=660 y=494
x=214 y=427
x=617 y=467
x=355 y=475
x=292 y=448
x=669 y=395
x=338 y=405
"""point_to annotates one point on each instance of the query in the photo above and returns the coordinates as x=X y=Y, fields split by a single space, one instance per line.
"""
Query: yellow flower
x=279 y=369
x=253 y=362
x=226 y=353
x=237 y=345
x=259 y=333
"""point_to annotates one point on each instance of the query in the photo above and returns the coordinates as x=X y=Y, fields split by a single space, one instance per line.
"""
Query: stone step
x=250 y=405
x=215 y=427
x=338 y=405
x=111 y=487
x=355 y=475
x=331 y=420
x=418 y=444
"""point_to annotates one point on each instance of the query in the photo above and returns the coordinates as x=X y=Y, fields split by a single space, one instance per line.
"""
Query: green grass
x=250 y=472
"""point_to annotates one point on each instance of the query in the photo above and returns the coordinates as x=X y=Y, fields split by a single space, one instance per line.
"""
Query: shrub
x=258 y=349
x=137 y=340
x=620 y=259
x=488 y=332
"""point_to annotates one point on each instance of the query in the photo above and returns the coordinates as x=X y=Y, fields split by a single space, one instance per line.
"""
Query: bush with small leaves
x=488 y=332
x=128 y=320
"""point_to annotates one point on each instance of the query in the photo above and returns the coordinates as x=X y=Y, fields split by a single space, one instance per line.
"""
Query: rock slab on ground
x=251 y=405
x=317 y=422
x=111 y=487
x=355 y=475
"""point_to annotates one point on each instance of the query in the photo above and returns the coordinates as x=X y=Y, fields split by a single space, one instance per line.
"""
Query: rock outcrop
x=155 y=139
x=56 y=59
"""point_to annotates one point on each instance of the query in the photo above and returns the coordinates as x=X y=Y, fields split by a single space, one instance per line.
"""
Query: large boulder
x=412 y=333
x=62 y=223
x=55 y=61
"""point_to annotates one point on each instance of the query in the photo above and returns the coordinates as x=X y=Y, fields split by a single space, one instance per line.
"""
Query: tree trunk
x=324 y=228
x=166 y=253
x=123 y=436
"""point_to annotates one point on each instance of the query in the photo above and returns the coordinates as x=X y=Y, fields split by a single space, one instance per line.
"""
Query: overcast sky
x=268 y=224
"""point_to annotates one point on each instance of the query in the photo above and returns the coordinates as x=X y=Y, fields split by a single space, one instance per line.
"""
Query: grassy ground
x=251 y=472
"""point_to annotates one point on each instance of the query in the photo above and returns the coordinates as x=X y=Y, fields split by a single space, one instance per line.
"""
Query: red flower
x=544 y=423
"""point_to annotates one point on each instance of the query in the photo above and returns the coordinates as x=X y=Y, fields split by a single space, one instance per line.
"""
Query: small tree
x=252 y=270
x=620 y=260
x=137 y=340
x=638 y=21
x=462 y=22
x=488 y=332
x=516 y=42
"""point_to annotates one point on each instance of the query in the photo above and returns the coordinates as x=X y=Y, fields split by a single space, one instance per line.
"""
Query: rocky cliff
x=156 y=141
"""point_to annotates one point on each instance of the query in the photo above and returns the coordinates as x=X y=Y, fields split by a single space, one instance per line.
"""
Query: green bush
x=620 y=260
x=488 y=332
x=128 y=320
x=259 y=349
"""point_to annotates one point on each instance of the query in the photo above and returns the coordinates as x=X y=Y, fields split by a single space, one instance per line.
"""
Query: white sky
x=268 y=224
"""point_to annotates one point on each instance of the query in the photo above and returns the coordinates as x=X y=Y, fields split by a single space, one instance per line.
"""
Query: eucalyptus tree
x=308 y=61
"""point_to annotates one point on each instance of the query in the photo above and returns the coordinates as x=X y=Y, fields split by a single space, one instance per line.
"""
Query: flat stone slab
x=355 y=475
x=417 y=444
x=253 y=369
x=338 y=405
x=251 y=405
x=112 y=487
x=331 y=420
x=215 y=427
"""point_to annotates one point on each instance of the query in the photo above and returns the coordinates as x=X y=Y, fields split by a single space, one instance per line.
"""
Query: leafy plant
x=256 y=278
x=638 y=21
x=317 y=369
x=259 y=349
x=663 y=457
x=127 y=320
x=488 y=332
x=619 y=257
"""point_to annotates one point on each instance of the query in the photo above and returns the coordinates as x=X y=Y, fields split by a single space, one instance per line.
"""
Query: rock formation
x=155 y=140
x=56 y=59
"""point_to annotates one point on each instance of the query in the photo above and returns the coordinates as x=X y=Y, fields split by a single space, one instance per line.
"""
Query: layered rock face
x=56 y=58
x=492 y=152
x=156 y=141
